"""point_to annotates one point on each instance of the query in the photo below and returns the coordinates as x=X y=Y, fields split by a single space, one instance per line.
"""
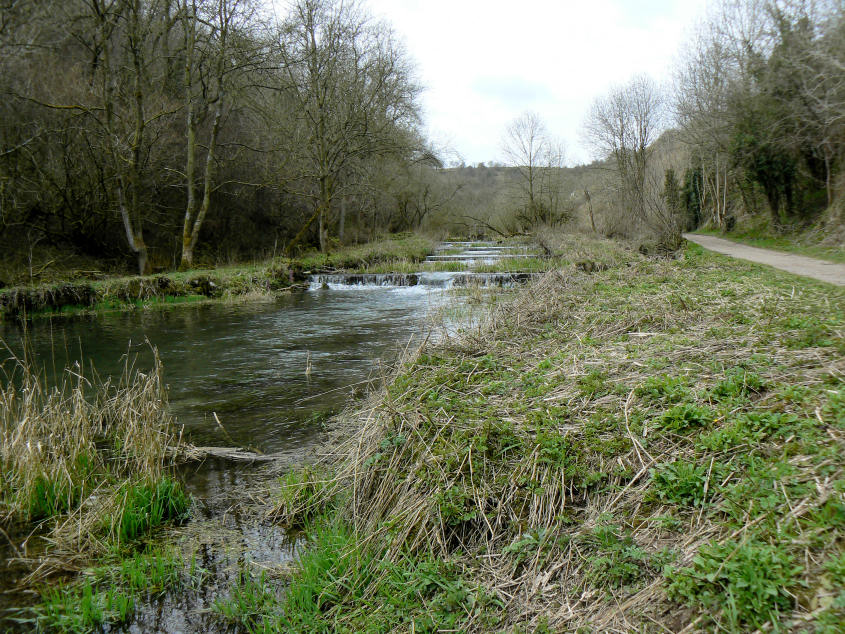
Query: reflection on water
x=246 y=362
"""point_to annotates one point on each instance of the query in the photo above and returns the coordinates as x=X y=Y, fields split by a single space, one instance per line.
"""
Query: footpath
x=830 y=272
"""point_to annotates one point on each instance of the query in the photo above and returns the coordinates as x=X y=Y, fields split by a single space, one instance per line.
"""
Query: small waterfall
x=345 y=280
x=440 y=280
x=466 y=253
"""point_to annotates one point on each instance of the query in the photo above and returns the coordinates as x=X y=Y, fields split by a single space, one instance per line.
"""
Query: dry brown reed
x=73 y=453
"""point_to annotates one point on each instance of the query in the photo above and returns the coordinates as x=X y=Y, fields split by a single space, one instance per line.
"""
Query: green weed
x=593 y=384
x=685 y=417
x=738 y=383
x=252 y=603
x=303 y=496
x=664 y=389
x=146 y=506
x=681 y=482
x=345 y=585
x=749 y=583
x=616 y=560
x=107 y=595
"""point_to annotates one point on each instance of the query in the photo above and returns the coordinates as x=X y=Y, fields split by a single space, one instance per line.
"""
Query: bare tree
x=348 y=92
x=212 y=58
x=538 y=159
x=124 y=55
x=623 y=125
x=525 y=146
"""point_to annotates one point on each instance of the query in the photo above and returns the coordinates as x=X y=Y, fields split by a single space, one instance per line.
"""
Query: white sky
x=484 y=62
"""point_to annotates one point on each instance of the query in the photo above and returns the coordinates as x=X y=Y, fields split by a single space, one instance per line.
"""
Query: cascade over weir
x=464 y=254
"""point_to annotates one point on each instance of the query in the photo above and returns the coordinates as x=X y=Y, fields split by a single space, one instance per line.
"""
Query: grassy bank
x=655 y=446
x=75 y=295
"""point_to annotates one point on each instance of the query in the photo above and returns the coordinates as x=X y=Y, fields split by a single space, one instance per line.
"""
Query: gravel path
x=798 y=264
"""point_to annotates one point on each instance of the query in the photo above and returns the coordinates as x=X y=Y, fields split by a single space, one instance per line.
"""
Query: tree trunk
x=590 y=207
x=323 y=230
x=193 y=237
x=194 y=217
x=191 y=140
x=326 y=190
x=134 y=236
x=342 y=219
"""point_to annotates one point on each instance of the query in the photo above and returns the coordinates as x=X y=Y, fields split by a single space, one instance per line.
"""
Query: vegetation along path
x=798 y=264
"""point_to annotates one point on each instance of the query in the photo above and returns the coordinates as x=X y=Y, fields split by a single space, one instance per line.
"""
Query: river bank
x=78 y=293
x=654 y=446
x=628 y=443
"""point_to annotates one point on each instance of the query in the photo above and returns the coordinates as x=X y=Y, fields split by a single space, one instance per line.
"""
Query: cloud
x=484 y=62
x=513 y=92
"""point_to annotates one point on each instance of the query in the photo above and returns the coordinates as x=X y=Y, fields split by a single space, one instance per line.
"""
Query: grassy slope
x=651 y=447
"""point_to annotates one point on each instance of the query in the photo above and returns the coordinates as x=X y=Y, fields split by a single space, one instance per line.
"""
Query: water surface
x=246 y=362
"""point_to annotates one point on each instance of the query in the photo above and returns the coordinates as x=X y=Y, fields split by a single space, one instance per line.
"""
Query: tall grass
x=89 y=458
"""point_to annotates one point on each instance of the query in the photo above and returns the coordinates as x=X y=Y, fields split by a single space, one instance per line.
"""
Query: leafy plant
x=748 y=582
x=616 y=560
x=681 y=482
x=737 y=383
x=685 y=417
x=593 y=384
x=663 y=389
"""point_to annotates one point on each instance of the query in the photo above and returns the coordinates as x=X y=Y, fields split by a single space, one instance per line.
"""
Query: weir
x=440 y=280
x=469 y=253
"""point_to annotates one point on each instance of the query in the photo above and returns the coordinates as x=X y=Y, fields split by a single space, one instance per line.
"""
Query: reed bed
x=86 y=462
x=656 y=446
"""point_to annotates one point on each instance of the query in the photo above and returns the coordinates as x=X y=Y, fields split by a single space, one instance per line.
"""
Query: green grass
x=601 y=427
x=340 y=578
x=146 y=506
x=107 y=594
x=749 y=582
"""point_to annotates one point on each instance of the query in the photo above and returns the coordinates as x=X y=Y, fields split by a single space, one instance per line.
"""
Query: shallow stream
x=271 y=371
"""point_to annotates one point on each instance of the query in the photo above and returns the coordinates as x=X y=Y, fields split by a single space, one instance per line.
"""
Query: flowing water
x=245 y=362
x=271 y=372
